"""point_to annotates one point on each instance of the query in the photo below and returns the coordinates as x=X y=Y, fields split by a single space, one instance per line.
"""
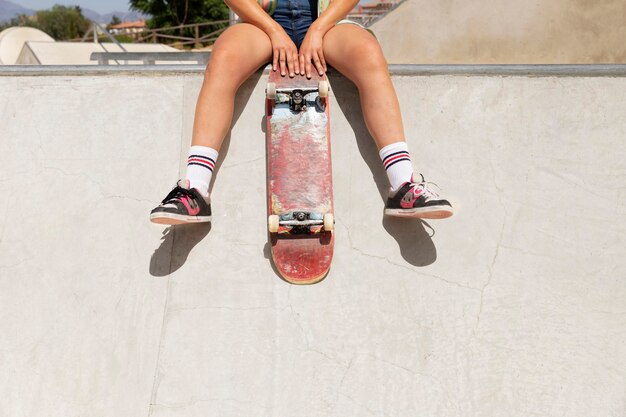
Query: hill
x=106 y=18
x=9 y=10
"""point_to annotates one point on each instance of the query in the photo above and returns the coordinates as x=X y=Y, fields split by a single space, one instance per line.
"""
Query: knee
x=370 y=55
x=223 y=59
x=367 y=62
x=222 y=65
x=216 y=80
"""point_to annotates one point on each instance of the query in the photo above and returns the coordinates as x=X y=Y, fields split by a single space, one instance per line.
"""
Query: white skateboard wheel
x=273 y=223
x=270 y=91
x=323 y=88
x=329 y=222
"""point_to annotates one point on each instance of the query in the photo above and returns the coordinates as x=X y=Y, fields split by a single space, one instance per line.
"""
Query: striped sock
x=200 y=166
x=397 y=162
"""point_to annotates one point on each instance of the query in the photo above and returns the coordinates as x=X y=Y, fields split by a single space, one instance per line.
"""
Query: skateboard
x=299 y=177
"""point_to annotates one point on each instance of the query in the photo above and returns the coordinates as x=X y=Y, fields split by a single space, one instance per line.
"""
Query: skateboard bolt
x=301 y=217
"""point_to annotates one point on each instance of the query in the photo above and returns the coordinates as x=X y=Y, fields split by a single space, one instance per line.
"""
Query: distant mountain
x=106 y=18
x=10 y=10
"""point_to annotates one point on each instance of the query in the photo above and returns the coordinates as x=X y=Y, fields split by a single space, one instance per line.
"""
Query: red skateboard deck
x=299 y=177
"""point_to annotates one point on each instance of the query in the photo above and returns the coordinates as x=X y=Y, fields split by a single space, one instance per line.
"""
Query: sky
x=100 y=6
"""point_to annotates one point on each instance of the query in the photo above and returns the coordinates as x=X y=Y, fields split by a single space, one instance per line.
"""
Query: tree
x=168 y=13
x=115 y=21
x=8 y=23
x=20 y=20
x=62 y=22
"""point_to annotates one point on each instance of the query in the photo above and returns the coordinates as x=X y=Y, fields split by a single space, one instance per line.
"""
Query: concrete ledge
x=512 y=70
x=408 y=70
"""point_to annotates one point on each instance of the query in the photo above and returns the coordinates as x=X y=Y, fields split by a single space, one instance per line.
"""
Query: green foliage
x=180 y=12
x=115 y=21
x=21 y=20
x=122 y=39
x=60 y=22
x=172 y=13
x=63 y=22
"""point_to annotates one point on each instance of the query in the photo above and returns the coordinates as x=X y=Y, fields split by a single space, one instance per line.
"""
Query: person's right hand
x=285 y=54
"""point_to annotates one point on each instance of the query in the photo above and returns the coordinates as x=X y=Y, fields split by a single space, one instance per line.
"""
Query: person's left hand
x=311 y=52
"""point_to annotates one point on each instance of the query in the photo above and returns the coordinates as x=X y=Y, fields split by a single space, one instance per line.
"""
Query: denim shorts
x=295 y=16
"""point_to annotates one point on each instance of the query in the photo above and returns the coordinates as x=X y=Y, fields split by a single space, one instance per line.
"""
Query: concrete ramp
x=13 y=39
x=513 y=307
x=504 y=32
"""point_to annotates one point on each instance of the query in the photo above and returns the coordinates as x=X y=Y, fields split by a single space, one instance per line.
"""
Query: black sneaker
x=182 y=205
x=416 y=199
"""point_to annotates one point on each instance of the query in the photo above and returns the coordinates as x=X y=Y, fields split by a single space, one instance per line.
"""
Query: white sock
x=200 y=166
x=397 y=162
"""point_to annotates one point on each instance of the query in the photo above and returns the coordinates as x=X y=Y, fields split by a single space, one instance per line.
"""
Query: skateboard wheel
x=329 y=222
x=270 y=91
x=273 y=223
x=323 y=88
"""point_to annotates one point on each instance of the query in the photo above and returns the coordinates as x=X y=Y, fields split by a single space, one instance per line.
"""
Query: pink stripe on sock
x=395 y=158
x=202 y=161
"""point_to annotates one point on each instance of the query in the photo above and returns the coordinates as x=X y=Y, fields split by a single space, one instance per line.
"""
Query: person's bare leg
x=237 y=54
x=240 y=51
x=355 y=53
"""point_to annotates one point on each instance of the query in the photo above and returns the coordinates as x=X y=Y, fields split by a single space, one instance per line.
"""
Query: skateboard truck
x=296 y=101
x=297 y=97
x=298 y=222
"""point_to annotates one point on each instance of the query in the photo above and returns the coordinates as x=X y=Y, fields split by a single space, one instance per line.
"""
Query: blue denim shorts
x=295 y=16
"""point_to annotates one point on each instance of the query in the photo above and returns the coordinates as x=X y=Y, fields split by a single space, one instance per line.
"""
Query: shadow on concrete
x=176 y=245
x=178 y=241
x=267 y=253
x=414 y=241
x=241 y=101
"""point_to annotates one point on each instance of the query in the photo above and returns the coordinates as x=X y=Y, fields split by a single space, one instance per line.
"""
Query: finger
x=290 y=63
x=323 y=61
x=301 y=64
x=275 y=60
x=318 y=64
x=296 y=63
x=281 y=60
x=308 y=65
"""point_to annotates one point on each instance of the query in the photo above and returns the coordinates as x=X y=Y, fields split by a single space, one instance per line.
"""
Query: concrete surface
x=504 y=32
x=513 y=307
x=12 y=41
x=79 y=53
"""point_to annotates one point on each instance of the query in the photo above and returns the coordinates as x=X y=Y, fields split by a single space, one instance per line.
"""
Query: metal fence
x=164 y=35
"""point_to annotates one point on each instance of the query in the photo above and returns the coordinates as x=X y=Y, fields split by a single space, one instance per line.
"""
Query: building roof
x=139 y=24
